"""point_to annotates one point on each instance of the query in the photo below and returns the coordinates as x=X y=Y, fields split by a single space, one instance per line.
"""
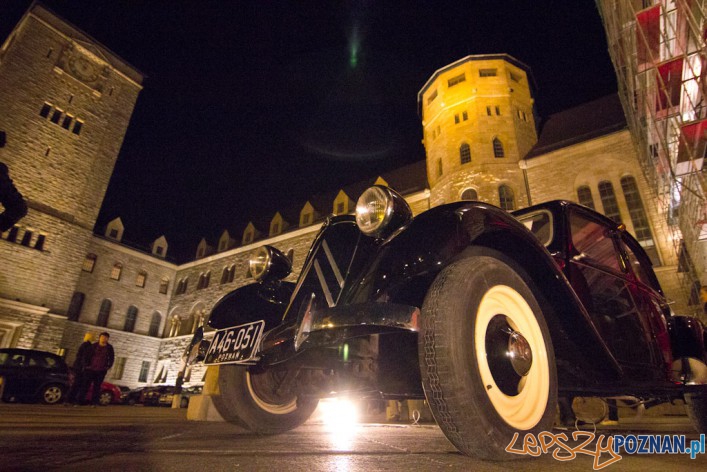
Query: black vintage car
x=489 y=316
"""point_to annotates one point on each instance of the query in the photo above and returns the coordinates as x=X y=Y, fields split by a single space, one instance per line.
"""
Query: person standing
x=100 y=359
x=78 y=370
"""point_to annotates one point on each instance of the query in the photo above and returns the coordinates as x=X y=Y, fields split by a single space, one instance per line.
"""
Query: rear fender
x=252 y=303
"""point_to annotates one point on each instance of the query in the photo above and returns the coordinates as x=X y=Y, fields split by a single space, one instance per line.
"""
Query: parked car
x=124 y=392
x=110 y=394
x=167 y=398
x=31 y=375
x=489 y=316
x=135 y=396
x=151 y=396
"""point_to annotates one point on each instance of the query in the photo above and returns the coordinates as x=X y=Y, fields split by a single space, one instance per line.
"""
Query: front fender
x=407 y=264
x=252 y=303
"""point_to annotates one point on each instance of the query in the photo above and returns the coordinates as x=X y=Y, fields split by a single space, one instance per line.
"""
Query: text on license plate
x=235 y=345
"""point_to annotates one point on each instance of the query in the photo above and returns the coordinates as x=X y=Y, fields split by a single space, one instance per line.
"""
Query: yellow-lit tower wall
x=478 y=122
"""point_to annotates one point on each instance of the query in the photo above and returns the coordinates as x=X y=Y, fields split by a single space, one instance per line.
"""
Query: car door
x=597 y=265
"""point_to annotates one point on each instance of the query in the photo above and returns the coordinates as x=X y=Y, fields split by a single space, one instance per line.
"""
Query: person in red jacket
x=100 y=359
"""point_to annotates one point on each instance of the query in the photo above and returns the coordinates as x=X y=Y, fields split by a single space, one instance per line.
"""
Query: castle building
x=71 y=99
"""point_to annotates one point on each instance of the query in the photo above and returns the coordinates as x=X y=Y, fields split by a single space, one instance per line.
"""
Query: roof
x=581 y=123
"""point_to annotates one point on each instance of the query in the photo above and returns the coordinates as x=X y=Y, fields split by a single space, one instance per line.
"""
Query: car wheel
x=105 y=398
x=52 y=394
x=252 y=400
x=696 y=406
x=486 y=357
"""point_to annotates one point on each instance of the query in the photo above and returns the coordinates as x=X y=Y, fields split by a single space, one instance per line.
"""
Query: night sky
x=251 y=106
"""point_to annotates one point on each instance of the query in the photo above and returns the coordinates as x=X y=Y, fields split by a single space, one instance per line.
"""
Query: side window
x=636 y=265
x=593 y=242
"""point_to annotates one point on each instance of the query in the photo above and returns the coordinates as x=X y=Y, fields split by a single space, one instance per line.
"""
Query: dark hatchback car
x=33 y=376
x=492 y=317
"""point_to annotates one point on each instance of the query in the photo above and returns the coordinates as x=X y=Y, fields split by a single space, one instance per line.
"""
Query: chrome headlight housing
x=380 y=211
x=268 y=263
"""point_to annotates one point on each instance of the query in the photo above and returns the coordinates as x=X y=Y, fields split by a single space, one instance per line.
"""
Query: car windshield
x=540 y=224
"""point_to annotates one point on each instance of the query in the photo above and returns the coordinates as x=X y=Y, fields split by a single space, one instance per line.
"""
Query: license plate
x=235 y=345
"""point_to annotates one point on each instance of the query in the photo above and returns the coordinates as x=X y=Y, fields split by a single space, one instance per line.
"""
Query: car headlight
x=380 y=211
x=269 y=263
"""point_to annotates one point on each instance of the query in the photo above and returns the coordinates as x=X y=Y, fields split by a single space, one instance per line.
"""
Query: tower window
x=77 y=127
x=498 y=110
x=66 y=124
x=514 y=77
x=465 y=116
x=488 y=111
x=456 y=80
x=487 y=72
x=164 y=285
x=456 y=119
x=56 y=116
x=464 y=153
x=39 y=245
x=26 y=238
x=432 y=96
x=44 y=112
x=469 y=194
x=439 y=167
x=498 y=148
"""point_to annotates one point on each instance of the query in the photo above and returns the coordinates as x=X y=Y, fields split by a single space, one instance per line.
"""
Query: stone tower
x=477 y=119
x=66 y=102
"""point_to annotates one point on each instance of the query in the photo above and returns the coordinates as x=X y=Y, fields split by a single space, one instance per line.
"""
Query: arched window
x=203 y=282
x=141 y=279
x=231 y=273
x=155 y=323
x=75 y=306
x=291 y=256
x=104 y=313
x=130 y=319
x=89 y=263
x=224 y=275
x=584 y=196
x=464 y=153
x=182 y=286
x=117 y=270
x=498 y=148
x=506 y=198
x=469 y=194
x=639 y=218
x=608 y=201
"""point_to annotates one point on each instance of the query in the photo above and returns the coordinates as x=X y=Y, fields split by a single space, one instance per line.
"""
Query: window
x=130 y=319
x=432 y=96
x=66 y=124
x=144 y=370
x=248 y=237
x=469 y=194
x=488 y=111
x=464 y=153
x=498 y=148
x=141 y=278
x=39 y=245
x=56 y=116
x=639 y=218
x=182 y=286
x=104 y=313
x=593 y=242
x=608 y=201
x=506 y=198
x=113 y=233
x=12 y=235
x=340 y=208
x=498 y=110
x=540 y=224
x=77 y=127
x=487 y=72
x=305 y=218
x=514 y=77
x=155 y=323
x=118 y=368
x=439 y=167
x=159 y=250
x=26 y=238
x=164 y=285
x=465 y=115
x=276 y=228
x=456 y=80
x=584 y=196
x=75 y=306
x=224 y=275
x=456 y=119
x=204 y=280
x=116 y=271
x=291 y=256
x=44 y=112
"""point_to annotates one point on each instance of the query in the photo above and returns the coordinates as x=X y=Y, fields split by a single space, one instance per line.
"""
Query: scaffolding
x=658 y=50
